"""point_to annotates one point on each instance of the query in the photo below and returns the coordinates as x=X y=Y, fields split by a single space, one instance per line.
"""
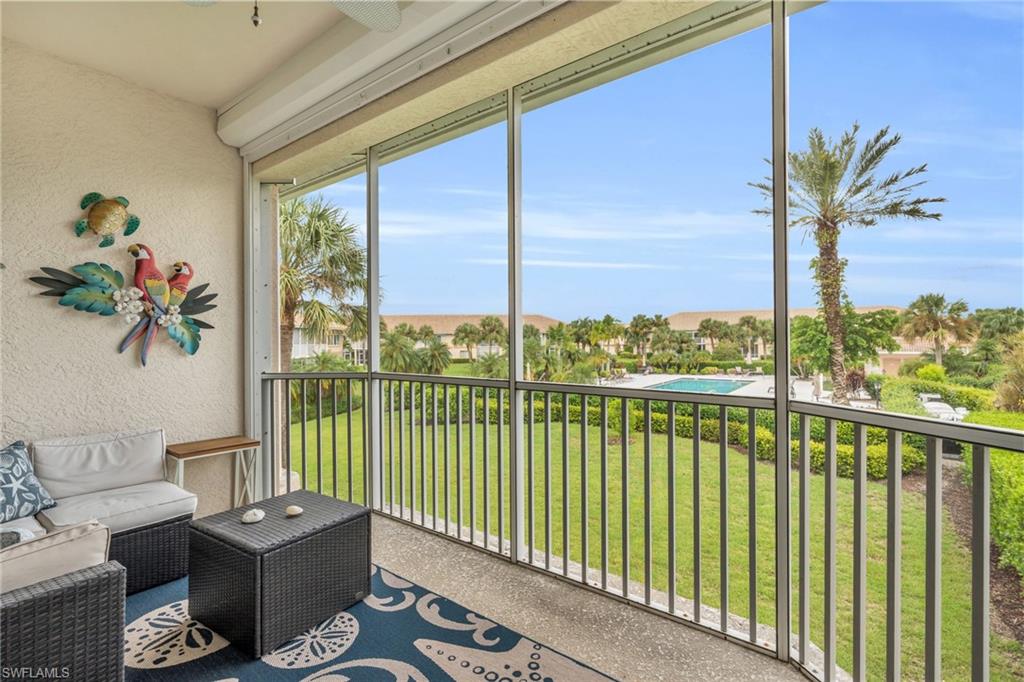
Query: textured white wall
x=68 y=130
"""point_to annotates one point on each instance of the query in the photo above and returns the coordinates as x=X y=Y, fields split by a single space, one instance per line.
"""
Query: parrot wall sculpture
x=151 y=304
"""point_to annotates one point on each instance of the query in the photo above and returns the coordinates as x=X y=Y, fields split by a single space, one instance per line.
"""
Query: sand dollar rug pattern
x=401 y=632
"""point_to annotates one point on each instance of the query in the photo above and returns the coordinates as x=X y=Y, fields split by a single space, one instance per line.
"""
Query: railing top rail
x=269 y=376
x=651 y=394
x=434 y=379
x=1004 y=439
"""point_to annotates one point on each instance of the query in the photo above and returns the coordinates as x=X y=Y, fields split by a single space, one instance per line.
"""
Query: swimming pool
x=702 y=385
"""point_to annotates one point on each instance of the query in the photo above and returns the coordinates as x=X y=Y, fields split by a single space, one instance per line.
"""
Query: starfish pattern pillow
x=21 y=493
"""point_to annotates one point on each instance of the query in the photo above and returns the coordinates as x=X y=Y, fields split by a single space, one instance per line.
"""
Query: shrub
x=877 y=459
x=1007 y=501
x=931 y=372
x=974 y=399
x=710 y=369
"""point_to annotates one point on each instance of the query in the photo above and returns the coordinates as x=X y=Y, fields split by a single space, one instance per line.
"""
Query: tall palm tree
x=748 y=330
x=322 y=267
x=638 y=332
x=712 y=330
x=398 y=352
x=467 y=334
x=833 y=186
x=493 y=332
x=941 y=322
x=434 y=356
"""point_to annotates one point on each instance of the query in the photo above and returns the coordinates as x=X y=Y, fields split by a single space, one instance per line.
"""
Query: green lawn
x=1007 y=656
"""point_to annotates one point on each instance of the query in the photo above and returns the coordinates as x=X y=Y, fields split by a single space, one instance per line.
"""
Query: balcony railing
x=637 y=493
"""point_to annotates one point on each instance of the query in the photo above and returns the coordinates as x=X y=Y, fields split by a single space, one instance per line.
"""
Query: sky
x=635 y=194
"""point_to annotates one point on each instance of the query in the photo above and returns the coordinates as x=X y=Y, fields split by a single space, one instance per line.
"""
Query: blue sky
x=635 y=195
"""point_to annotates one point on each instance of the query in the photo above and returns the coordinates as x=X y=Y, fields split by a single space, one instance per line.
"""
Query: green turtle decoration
x=106 y=217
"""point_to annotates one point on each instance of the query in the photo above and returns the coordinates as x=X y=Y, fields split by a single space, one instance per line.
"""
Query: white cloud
x=574 y=265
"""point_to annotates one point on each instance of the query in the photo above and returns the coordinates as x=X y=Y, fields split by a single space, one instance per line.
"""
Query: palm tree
x=398 y=352
x=322 y=265
x=493 y=332
x=765 y=332
x=425 y=333
x=434 y=356
x=832 y=186
x=493 y=365
x=638 y=332
x=998 y=323
x=748 y=329
x=467 y=334
x=932 y=318
x=712 y=330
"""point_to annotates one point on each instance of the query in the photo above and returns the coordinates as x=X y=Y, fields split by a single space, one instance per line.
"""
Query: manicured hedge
x=974 y=399
x=1007 y=501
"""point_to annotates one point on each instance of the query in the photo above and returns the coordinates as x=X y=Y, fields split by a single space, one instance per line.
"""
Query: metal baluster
x=624 y=427
x=604 y=492
x=860 y=551
x=531 y=414
x=584 y=548
x=433 y=455
x=412 y=451
x=487 y=474
x=334 y=438
x=501 y=472
x=723 y=515
x=288 y=437
x=830 y=551
x=391 y=448
x=319 y=440
x=401 y=451
x=752 y=521
x=547 y=481
x=274 y=430
x=458 y=460
x=367 y=465
x=302 y=409
x=933 y=563
x=894 y=556
x=981 y=479
x=565 y=484
x=423 y=452
x=647 y=502
x=348 y=422
x=671 y=432
x=697 y=603
x=447 y=470
x=472 y=465
x=805 y=537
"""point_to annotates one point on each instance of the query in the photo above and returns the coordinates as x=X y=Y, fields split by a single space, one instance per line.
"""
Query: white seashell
x=253 y=516
x=293 y=510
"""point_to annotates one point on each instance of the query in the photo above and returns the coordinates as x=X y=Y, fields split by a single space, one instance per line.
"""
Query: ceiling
x=205 y=54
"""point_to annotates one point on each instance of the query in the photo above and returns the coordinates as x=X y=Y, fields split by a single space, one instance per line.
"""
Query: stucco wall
x=68 y=130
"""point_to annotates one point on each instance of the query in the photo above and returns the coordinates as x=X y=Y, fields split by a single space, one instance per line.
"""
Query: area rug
x=400 y=633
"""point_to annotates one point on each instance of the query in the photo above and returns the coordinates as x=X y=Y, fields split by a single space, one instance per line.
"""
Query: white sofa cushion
x=122 y=509
x=52 y=555
x=26 y=523
x=86 y=464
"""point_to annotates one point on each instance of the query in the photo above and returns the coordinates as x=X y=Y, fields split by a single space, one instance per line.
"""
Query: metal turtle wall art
x=106 y=217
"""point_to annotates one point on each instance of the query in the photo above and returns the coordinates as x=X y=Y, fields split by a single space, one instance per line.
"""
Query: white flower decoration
x=120 y=306
x=176 y=318
x=131 y=318
x=135 y=293
x=135 y=306
x=119 y=294
x=163 y=320
x=172 y=309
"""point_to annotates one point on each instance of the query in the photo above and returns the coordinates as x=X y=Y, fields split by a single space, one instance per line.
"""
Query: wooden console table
x=244 y=449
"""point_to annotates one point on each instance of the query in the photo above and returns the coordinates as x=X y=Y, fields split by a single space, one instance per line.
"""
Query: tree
x=998 y=323
x=713 y=330
x=1010 y=392
x=832 y=187
x=748 y=330
x=322 y=267
x=434 y=356
x=727 y=350
x=938 y=321
x=398 y=352
x=493 y=332
x=492 y=365
x=866 y=334
x=638 y=333
x=467 y=334
x=425 y=333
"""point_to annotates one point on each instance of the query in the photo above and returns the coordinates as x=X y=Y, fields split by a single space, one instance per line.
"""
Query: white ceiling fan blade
x=377 y=15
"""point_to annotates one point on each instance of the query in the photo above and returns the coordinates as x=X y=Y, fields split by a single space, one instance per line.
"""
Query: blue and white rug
x=400 y=633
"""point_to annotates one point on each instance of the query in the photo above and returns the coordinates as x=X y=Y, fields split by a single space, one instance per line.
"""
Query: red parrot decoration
x=152 y=304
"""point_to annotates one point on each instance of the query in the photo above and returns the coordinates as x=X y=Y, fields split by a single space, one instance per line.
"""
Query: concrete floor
x=617 y=639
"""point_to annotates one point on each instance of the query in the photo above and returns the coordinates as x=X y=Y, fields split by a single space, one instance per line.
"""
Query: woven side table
x=259 y=585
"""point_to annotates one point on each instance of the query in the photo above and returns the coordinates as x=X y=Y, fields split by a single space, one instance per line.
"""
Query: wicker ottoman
x=259 y=585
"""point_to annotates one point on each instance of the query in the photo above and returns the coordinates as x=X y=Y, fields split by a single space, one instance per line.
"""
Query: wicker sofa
x=118 y=480
x=62 y=607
